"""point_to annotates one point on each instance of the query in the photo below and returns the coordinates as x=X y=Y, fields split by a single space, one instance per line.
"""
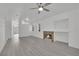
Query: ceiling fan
x=41 y=7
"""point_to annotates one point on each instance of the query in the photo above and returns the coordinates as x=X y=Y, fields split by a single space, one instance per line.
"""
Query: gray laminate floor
x=33 y=46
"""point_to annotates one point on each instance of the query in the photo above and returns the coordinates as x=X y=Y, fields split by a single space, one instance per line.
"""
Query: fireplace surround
x=48 y=35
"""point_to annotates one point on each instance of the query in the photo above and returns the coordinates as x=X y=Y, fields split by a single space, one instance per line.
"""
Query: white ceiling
x=8 y=10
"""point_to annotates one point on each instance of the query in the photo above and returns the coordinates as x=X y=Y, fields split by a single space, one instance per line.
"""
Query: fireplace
x=48 y=35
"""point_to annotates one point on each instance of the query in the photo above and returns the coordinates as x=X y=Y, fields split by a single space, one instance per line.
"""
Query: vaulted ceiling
x=9 y=9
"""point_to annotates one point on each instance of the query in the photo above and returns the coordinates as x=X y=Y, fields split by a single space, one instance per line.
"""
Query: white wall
x=62 y=36
x=2 y=34
x=63 y=24
x=74 y=29
x=24 y=30
x=8 y=29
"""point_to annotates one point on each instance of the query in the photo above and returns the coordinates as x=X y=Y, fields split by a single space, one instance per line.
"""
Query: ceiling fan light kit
x=40 y=9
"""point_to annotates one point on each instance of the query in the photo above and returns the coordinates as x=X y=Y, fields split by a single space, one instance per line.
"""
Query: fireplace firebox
x=48 y=35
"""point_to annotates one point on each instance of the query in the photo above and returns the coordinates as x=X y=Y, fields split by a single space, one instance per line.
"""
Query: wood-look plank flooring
x=33 y=46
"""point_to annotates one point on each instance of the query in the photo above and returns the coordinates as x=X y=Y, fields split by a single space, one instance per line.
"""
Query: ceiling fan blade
x=46 y=9
x=34 y=8
x=46 y=4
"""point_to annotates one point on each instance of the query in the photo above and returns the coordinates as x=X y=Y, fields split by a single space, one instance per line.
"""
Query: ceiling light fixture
x=40 y=9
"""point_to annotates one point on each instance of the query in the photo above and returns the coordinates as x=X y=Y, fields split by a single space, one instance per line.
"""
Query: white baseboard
x=74 y=46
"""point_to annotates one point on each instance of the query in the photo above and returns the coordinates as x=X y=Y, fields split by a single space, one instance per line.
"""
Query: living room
x=54 y=27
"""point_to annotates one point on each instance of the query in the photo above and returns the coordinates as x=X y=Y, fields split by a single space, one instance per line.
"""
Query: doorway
x=15 y=30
